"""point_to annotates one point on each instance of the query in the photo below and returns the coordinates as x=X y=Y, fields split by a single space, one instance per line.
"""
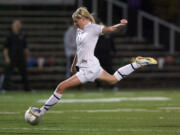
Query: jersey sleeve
x=98 y=29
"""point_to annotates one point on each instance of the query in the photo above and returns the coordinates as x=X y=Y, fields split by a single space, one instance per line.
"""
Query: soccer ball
x=31 y=118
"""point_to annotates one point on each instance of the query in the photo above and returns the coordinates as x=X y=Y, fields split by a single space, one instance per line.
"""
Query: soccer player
x=88 y=65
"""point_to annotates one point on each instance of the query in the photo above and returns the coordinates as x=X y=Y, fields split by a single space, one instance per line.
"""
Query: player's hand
x=7 y=60
x=73 y=70
x=124 y=21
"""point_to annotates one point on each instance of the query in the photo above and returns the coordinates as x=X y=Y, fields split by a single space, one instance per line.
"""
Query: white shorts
x=89 y=74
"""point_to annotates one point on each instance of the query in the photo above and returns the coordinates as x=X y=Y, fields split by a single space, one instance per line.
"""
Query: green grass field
x=128 y=112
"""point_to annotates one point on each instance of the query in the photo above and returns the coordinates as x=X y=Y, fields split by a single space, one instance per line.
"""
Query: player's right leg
x=137 y=63
x=7 y=74
x=56 y=96
x=126 y=70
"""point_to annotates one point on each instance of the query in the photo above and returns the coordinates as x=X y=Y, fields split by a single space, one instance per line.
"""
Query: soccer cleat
x=35 y=111
x=143 y=61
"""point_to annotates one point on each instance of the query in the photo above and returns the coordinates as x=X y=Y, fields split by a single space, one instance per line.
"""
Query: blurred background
x=153 y=30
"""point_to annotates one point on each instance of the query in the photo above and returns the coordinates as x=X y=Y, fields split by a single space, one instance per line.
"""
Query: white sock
x=53 y=99
x=126 y=70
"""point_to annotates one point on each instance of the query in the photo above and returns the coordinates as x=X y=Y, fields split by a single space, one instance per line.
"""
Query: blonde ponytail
x=91 y=18
x=83 y=12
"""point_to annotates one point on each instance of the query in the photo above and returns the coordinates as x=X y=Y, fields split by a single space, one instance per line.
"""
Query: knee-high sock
x=53 y=99
x=126 y=70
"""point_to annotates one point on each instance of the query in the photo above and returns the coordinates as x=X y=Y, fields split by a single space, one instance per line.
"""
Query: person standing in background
x=104 y=51
x=69 y=48
x=16 y=54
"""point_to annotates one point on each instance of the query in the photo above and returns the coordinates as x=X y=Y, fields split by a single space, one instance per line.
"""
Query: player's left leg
x=56 y=96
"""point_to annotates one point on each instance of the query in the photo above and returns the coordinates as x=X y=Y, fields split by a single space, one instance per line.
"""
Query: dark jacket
x=15 y=45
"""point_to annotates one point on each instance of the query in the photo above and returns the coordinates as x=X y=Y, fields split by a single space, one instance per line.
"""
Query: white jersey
x=86 y=40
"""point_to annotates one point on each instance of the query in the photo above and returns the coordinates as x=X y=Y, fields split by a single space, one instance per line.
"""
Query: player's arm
x=73 y=67
x=6 y=46
x=6 y=56
x=115 y=28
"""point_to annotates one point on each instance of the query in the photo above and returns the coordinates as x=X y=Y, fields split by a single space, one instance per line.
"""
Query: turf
x=96 y=118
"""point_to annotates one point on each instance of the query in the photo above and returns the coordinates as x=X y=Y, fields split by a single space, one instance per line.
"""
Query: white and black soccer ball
x=31 y=118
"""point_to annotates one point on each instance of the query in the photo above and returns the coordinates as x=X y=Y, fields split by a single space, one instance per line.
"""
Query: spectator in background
x=31 y=62
x=15 y=53
x=104 y=51
x=51 y=61
x=70 y=48
x=40 y=62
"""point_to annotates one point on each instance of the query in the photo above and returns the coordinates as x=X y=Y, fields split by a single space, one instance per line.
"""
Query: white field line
x=159 y=109
x=92 y=111
x=86 y=129
x=106 y=111
x=11 y=113
x=169 y=108
x=110 y=99
x=43 y=129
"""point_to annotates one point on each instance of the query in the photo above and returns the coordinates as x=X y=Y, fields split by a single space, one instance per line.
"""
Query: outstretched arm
x=115 y=28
